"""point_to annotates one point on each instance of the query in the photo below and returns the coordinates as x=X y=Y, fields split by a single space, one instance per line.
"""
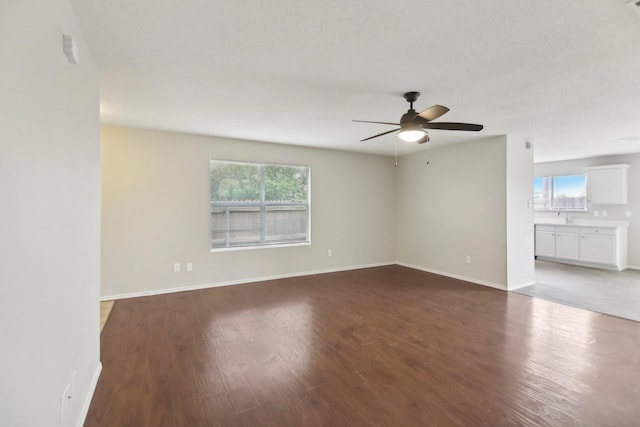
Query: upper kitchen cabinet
x=607 y=185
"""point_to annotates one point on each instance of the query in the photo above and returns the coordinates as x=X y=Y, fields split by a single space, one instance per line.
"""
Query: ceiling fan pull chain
x=396 y=152
x=426 y=152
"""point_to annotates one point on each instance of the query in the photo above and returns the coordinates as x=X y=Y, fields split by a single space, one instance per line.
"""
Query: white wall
x=520 y=229
x=50 y=215
x=614 y=212
x=454 y=207
x=458 y=206
x=156 y=211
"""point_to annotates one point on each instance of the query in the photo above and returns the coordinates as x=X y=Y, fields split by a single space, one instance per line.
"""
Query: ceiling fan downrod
x=411 y=97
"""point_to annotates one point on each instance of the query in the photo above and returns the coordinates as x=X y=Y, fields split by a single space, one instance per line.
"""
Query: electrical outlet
x=189 y=266
x=627 y=214
x=330 y=252
x=596 y=213
x=604 y=213
x=467 y=259
x=176 y=267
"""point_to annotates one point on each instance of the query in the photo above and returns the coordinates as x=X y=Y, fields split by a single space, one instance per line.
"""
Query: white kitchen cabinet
x=603 y=246
x=607 y=185
x=545 y=240
x=567 y=243
x=598 y=245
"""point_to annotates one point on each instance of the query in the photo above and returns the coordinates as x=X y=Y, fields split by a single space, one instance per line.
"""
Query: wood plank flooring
x=387 y=346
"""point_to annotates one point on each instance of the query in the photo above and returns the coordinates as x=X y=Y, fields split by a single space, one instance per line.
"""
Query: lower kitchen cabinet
x=567 y=243
x=545 y=240
x=598 y=245
x=603 y=247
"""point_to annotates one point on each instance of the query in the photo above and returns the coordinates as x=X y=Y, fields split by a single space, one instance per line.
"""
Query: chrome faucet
x=566 y=217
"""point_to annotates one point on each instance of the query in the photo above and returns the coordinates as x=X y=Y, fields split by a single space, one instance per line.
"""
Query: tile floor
x=610 y=292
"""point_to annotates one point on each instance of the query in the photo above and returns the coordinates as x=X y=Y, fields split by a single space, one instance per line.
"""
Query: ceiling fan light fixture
x=411 y=135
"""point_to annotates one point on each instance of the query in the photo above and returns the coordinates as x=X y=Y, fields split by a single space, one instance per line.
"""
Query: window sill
x=562 y=209
x=248 y=248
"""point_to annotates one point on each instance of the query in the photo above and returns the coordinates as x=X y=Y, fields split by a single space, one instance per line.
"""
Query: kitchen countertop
x=582 y=222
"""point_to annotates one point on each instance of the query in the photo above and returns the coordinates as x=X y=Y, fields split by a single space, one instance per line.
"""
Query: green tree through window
x=285 y=183
x=234 y=181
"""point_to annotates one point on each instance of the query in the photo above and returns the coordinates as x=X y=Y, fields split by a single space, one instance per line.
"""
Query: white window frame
x=263 y=205
x=551 y=196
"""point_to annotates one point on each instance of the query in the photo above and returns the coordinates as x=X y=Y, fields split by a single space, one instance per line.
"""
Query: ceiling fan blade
x=380 y=134
x=382 y=123
x=433 y=112
x=453 y=126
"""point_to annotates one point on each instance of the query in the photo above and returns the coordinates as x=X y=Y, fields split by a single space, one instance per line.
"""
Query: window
x=560 y=192
x=258 y=204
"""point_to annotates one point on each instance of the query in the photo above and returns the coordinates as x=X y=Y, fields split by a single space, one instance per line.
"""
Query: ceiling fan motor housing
x=407 y=118
x=411 y=114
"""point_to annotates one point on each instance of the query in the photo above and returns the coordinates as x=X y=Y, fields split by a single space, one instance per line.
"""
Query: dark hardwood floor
x=387 y=346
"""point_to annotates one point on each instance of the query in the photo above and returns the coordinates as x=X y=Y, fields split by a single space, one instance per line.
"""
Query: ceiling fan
x=414 y=125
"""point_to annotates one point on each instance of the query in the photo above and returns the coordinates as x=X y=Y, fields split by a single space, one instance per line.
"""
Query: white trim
x=237 y=282
x=453 y=276
x=633 y=267
x=521 y=285
x=611 y=267
x=87 y=400
x=250 y=248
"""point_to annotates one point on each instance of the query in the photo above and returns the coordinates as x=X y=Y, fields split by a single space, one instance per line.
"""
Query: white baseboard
x=237 y=282
x=611 y=267
x=87 y=400
x=453 y=276
x=634 y=267
x=521 y=285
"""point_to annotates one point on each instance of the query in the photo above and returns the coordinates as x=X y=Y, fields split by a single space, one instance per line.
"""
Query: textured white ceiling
x=565 y=74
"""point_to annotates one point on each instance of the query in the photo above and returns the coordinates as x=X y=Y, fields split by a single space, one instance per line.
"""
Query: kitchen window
x=560 y=192
x=258 y=205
